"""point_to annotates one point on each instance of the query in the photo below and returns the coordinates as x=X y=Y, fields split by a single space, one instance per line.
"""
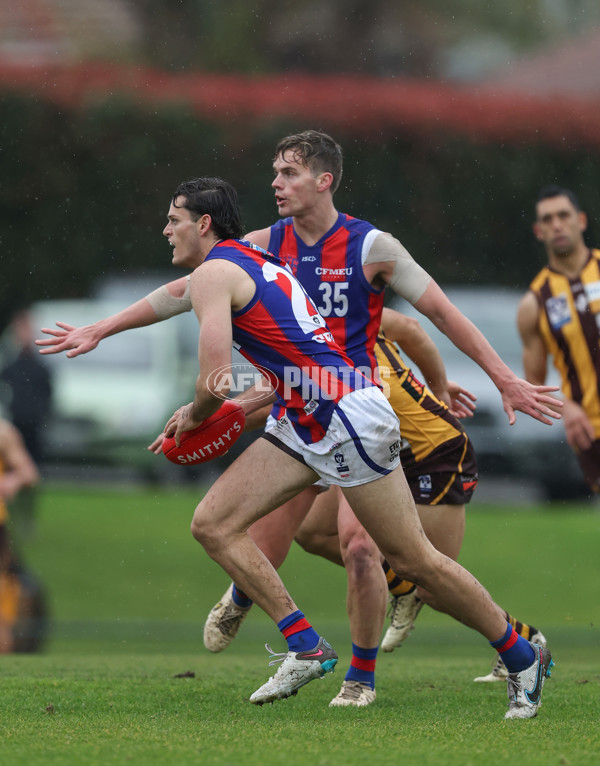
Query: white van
x=110 y=403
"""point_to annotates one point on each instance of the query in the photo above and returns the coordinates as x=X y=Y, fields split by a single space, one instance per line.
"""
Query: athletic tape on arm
x=408 y=279
x=166 y=305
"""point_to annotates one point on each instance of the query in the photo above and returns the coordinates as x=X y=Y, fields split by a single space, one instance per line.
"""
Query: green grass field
x=125 y=678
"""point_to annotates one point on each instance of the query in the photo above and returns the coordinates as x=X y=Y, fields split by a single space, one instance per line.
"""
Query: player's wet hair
x=213 y=197
x=553 y=190
x=318 y=151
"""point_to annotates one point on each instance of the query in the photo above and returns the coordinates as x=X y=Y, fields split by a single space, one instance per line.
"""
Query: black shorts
x=447 y=476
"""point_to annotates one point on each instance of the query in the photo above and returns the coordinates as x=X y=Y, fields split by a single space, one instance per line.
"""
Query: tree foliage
x=369 y=37
x=86 y=190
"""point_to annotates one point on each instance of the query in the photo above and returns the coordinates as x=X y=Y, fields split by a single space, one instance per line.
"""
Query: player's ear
x=324 y=181
x=203 y=223
x=583 y=220
x=537 y=232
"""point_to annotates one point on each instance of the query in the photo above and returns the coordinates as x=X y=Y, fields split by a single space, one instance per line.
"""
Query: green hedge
x=85 y=192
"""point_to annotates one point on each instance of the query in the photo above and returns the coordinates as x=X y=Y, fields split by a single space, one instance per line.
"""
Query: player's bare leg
x=367 y=587
x=386 y=509
x=318 y=532
x=260 y=480
x=273 y=534
x=444 y=525
x=366 y=600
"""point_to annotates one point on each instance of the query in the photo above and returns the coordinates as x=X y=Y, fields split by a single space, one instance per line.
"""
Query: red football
x=211 y=439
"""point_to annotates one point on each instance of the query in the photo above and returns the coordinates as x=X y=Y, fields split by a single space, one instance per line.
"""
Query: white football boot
x=525 y=687
x=223 y=622
x=296 y=670
x=353 y=694
x=404 y=610
x=499 y=671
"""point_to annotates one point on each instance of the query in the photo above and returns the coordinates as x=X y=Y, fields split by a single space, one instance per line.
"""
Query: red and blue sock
x=240 y=598
x=362 y=667
x=298 y=632
x=515 y=651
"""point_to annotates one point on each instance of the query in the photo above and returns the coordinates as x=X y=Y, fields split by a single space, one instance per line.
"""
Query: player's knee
x=204 y=532
x=360 y=553
x=197 y=529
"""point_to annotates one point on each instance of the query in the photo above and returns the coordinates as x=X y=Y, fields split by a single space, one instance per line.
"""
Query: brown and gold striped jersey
x=425 y=421
x=569 y=323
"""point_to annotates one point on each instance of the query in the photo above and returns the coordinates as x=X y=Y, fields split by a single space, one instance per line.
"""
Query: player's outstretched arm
x=389 y=262
x=517 y=394
x=167 y=301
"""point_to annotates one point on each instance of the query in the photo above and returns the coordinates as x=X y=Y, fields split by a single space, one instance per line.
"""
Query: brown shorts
x=447 y=476
x=589 y=460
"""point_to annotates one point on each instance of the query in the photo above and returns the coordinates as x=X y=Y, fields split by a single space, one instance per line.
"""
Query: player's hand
x=578 y=428
x=535 y=401
x=462 y=402
x=156 y=445
x=181 y=421
x=73 y=340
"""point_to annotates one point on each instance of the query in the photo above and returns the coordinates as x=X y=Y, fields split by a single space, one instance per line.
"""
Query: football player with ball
x=241 y=293
x=304 y=187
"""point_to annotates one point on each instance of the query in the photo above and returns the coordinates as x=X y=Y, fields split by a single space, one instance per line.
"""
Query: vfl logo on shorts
x=425 y=485
x=343 y=470
x=394 y=450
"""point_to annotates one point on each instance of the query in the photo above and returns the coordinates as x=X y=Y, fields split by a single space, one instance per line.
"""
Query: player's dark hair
x=213 y=197
x=553 y=190
x=318 y=151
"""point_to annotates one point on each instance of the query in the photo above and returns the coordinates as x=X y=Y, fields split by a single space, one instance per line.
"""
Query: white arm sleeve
x=409 y=279
x=166 y=305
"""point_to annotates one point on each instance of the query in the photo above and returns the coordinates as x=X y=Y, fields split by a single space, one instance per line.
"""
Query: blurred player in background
x=28 y=383
x=559 y=316
x=22 y=609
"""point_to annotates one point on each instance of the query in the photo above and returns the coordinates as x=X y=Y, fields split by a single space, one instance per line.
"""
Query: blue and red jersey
x=331 y=272
x=281 y=332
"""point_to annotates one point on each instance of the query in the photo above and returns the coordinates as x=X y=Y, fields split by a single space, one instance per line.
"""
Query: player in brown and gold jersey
x=560 y=317
x=20 y=597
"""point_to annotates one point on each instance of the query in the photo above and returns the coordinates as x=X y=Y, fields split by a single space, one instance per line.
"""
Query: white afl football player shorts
x=362 y=442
